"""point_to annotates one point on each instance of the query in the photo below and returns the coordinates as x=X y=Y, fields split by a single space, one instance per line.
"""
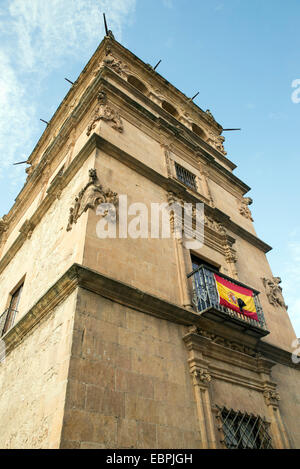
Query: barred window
x=7 y=319
x=243 y=431
x=185 y=176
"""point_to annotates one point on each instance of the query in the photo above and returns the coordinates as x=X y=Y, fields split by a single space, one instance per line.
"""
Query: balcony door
x=197 y=261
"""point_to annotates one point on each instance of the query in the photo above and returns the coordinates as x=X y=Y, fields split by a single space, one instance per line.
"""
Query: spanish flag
x=237 y=298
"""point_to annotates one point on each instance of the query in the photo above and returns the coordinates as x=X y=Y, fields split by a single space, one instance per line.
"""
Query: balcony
x=207 y=300
x=7 y=320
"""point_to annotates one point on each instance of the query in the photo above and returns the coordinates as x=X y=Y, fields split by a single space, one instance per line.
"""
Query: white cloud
x=36 y=37
x=16 y=115
x=47 y=31
x=168 y=3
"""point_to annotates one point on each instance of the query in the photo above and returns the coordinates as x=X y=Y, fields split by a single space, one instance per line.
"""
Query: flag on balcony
x=235 y=297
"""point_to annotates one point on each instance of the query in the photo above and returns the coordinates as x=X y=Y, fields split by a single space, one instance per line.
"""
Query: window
x=138 y=84
x=244 y=431
x=197 y=262
x=198 y=131
x=8 y=317
x=169 y=108
x=185 y=176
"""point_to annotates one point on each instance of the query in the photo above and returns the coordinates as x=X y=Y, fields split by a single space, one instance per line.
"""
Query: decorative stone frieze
x=104 y=112
x=219 y=340
x=89 y=197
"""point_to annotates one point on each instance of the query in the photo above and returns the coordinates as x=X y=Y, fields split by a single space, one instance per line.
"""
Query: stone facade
x=106 y=330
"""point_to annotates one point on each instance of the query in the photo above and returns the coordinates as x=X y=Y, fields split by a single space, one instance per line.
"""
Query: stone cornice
x=61 y=138
x=78 y=276
x=178 y=131
x=208 y=150
x=169 y=184
x=185 y=100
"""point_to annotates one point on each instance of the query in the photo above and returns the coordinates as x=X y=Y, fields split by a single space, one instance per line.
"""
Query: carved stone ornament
x=90 y=196
x=219 y=340
x=214 y=225
x=244 y=208
x=104 y=112
x=274 y=291
x=216 y=141
x=209 y=116
x=271 y=397
x=202 y=376
x=114 y=64
x=27 y=229
x=3 y=225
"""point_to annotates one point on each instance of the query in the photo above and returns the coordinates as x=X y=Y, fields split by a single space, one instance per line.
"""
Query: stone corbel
x=205 y=184
x=231 y=255
x=244 y=207
x=27 y=229
x=90 y=196
x=3 y=231
x=106 y=113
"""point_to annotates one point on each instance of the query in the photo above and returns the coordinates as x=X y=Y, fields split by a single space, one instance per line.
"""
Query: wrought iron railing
x=185 y=176
x=206 y=299
x=242 y=430
x=7 y=320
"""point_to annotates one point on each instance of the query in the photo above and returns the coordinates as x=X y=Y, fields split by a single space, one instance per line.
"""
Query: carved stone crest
x=90 y=196
x=104 y=112
x=274 y=291
x=244 y=208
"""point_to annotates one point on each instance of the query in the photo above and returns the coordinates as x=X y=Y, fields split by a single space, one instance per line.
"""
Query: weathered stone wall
x=33 y=380
x=129 y=386
x=50 y=250
x=288 y=380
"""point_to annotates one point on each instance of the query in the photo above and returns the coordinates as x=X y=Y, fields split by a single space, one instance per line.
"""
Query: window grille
x=7 y=319
x=185 y=176
x=243 y=431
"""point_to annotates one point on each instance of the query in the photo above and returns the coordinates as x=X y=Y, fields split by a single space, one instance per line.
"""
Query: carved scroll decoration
x=244 y=208
x=104 y=112
x=274 y=291
x=90 y=196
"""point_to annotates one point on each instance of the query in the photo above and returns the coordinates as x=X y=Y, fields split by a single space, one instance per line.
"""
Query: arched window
x=198 y=131
x=169 y=108
x=138 y=84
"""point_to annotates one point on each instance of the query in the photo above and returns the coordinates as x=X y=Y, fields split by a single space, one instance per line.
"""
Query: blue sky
x=241 y=55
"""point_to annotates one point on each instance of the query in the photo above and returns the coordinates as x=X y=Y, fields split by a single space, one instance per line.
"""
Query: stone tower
x=124 y=342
